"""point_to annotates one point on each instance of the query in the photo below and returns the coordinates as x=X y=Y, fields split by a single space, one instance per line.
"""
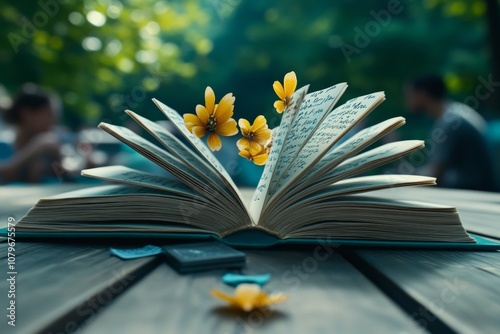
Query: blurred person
x=458 y=153
x=36 y=146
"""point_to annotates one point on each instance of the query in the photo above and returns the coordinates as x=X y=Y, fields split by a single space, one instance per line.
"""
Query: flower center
x=288 y=100
x=251 y=135
x=212 y=123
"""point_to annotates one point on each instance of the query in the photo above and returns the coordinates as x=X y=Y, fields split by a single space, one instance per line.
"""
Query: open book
x=310 y=187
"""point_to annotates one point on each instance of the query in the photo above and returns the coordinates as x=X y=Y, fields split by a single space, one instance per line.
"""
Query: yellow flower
x=249 y=297
x=214 y=119
x=254 y=136
x=259 y=157
x=285 y=94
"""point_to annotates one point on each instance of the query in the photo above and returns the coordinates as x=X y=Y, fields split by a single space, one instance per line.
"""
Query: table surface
x=74 y=287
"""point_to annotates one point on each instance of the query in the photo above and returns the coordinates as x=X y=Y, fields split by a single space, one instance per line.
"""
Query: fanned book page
x=312 y=185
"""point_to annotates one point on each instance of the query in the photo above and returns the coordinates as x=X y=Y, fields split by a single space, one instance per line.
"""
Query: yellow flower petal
x=246 y=144
x=202 y=113
x=222 y=295
x=227 y=129
x=192 y=118
x=246 y=296
x=199 y=131
x=280 y=106
x=245 y=154
x=243 y=144
x=278 y=89
x=290 y=83
x=244 y=126
x=209 y=100
x=276 y=298
x=259 y=123
x=224 y=110
x=262 y=136
x=214 y=142
x=260 y=159
x=249 y=297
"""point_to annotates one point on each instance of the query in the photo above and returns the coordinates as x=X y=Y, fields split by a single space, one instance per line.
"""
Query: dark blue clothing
x=461 y=148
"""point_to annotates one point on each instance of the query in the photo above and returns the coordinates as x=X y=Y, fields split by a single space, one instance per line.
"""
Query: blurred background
x=96 y=58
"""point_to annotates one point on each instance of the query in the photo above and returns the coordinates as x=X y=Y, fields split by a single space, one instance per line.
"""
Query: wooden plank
x=443 y=291
x=60 y=285
x=327 y=296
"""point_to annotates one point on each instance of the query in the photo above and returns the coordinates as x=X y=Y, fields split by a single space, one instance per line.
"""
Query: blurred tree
x=103 y=56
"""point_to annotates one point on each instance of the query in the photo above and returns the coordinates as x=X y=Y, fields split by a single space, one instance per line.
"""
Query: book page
x=177 y=148
x=349 y=168
x=365 y=184
x=335 y=125
x=178 y=122
x=347 y=149
x=126 y=175
x=312 y=111
x=356 y=143
x=260 y=194
x=157 y=155
x=371 y=159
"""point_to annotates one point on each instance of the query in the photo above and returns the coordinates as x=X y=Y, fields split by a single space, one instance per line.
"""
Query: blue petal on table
x=235 y=279
x=135 y=253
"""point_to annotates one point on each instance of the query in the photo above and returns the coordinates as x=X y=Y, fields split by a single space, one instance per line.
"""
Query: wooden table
x=75 y=287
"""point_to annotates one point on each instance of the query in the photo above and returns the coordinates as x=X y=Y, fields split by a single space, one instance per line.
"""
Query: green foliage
x=103 y=56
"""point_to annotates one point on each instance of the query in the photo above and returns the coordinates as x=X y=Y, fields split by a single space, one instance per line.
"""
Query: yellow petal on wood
x=224 y=110
x=277 y=298
x=214 y=142
x=280 y=106
x=209 y=100
x=290 y=83
x=222 y=295
x=227 y=129
x=202 y=113
x=278 y=89
x=246 y=295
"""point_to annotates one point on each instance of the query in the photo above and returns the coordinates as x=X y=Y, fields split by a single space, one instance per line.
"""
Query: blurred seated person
x=36 y=146
x=458 y=155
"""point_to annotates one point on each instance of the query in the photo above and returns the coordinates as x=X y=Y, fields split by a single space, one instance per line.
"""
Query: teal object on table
x=236 y=279
x=135 y=253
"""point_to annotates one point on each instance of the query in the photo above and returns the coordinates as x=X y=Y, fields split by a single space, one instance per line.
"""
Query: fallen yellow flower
x=249 y=296
x=214 y=119
x=285 y=91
